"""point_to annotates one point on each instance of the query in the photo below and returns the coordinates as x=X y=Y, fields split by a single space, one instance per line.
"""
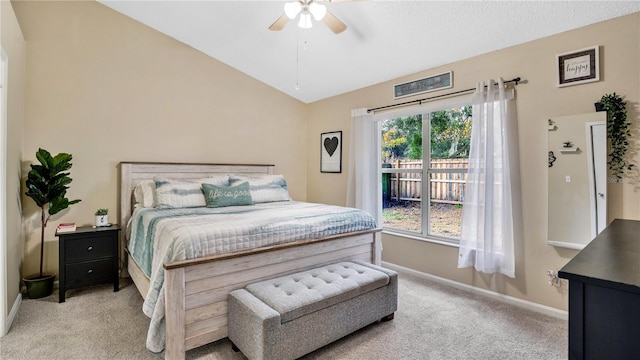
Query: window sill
x=420 y=238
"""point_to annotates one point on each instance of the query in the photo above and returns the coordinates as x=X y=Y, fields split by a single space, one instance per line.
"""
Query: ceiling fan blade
x=280 y=23
x=334 y=23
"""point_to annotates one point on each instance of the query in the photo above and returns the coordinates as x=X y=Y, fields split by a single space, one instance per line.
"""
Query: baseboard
x=539 y=308
x=13 y=312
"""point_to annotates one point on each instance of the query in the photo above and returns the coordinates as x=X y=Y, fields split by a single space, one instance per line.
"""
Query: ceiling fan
x=306 y=9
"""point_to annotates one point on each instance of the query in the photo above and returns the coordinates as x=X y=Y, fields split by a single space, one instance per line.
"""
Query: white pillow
x=171 y=193
x=264 y=188
x=144 y=193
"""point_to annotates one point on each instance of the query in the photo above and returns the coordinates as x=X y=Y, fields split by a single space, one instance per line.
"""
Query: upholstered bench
x=292 y=315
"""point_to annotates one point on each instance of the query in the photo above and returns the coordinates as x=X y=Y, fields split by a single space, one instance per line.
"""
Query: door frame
x=592 y=176
x=4 y=76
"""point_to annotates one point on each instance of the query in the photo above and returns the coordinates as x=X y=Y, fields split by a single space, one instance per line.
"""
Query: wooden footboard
x=196 y=292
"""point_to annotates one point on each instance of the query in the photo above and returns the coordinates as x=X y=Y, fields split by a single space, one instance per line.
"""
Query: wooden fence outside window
x=446 y=187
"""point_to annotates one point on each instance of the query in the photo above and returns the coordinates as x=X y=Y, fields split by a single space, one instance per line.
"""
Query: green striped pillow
x=172 y=194
x=263 y=187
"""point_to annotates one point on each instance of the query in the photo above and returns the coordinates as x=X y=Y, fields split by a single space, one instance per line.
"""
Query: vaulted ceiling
x=384 y=39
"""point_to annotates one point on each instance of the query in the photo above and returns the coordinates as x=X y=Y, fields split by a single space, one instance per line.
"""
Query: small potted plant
x=102 y=217
x=47 y=185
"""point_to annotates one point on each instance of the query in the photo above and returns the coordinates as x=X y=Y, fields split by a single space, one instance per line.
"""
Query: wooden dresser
x=604 y=295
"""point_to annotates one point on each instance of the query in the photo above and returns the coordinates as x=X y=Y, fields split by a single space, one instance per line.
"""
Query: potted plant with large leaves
x=47 y=185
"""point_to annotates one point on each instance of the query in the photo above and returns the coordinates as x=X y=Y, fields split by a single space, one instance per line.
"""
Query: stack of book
x=66 y=227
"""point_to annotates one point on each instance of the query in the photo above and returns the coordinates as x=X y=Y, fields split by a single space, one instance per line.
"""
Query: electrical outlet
x=564 y=283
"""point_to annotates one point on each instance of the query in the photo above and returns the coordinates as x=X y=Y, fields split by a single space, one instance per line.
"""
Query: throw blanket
x=158 y=236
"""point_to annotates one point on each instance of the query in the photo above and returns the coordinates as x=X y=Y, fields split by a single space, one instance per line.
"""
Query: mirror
x=577 y=179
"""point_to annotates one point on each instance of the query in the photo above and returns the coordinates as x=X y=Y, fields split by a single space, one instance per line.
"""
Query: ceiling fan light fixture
x=305 y=21
x=292 y=9
x=305 y=10
x=318 y=11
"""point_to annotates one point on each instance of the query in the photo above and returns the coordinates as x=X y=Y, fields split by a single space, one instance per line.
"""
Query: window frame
x=426 y=171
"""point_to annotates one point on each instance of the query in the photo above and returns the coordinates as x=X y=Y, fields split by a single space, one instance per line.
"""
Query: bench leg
x=234 y=347
x=388 y=317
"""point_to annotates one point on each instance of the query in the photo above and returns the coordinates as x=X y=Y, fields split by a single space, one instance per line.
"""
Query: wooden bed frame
x=196 y=290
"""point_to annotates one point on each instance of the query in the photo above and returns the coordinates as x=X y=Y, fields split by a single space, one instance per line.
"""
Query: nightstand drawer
x=89 y=272
x=87 y=248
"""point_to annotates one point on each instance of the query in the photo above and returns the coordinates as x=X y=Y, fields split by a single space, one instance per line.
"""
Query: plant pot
x=599 y=106
x=39 y=286
x=102 y=220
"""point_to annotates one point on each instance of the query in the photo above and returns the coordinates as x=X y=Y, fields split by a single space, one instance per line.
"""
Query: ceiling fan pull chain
x=298 y=59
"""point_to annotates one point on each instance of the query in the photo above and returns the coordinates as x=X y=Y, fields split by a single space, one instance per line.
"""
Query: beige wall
x=538 y=99
x=106 y=89
x=15 y=48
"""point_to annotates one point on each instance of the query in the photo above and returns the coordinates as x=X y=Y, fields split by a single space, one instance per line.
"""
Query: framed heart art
x=331 y=152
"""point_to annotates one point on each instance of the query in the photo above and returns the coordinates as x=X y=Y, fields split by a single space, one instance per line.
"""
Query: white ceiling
x=384 y=39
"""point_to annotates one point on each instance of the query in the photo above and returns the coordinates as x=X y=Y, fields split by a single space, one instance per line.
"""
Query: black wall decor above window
x=431 y=83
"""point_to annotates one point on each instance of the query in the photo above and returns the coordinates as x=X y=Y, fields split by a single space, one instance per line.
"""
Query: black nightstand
x=88 y=256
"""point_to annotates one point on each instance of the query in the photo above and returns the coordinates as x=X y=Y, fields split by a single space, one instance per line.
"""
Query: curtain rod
x=419 y=101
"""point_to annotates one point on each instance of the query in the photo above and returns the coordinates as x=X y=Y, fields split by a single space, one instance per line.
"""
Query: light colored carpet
x=433 y=321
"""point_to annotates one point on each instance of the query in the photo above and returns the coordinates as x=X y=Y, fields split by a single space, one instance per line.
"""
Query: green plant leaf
x=618 y=132
x=38 y=197
x=61 y=162
x=60 y=203
x=45 y=158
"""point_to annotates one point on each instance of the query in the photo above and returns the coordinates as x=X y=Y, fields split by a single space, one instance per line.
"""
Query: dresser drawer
x=87 y=248
x=89 y=272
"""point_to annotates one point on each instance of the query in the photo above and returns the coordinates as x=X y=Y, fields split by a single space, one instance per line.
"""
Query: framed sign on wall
x=578 y=67
x=431 y=83
x=331 y=152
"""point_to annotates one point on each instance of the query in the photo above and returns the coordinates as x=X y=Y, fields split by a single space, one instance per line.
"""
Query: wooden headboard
x=131 y=174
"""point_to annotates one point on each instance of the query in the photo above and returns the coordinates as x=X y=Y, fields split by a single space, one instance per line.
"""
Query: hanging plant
x=618 y=131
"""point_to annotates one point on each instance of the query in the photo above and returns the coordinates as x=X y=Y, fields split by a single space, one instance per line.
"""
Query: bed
x=195 y=290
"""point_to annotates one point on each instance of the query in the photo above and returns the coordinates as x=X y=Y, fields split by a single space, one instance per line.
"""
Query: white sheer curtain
x=364 y=189
x=487 y=238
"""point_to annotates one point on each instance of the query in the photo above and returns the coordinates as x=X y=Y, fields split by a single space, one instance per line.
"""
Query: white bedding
x=157 y=236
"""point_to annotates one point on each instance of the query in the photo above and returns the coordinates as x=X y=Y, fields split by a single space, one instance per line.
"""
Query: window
x=440 y=139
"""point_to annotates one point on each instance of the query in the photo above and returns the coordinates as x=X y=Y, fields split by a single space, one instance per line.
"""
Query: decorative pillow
x=172 y=193
x=144 y=193
x=219 y=196
x=264 y=188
